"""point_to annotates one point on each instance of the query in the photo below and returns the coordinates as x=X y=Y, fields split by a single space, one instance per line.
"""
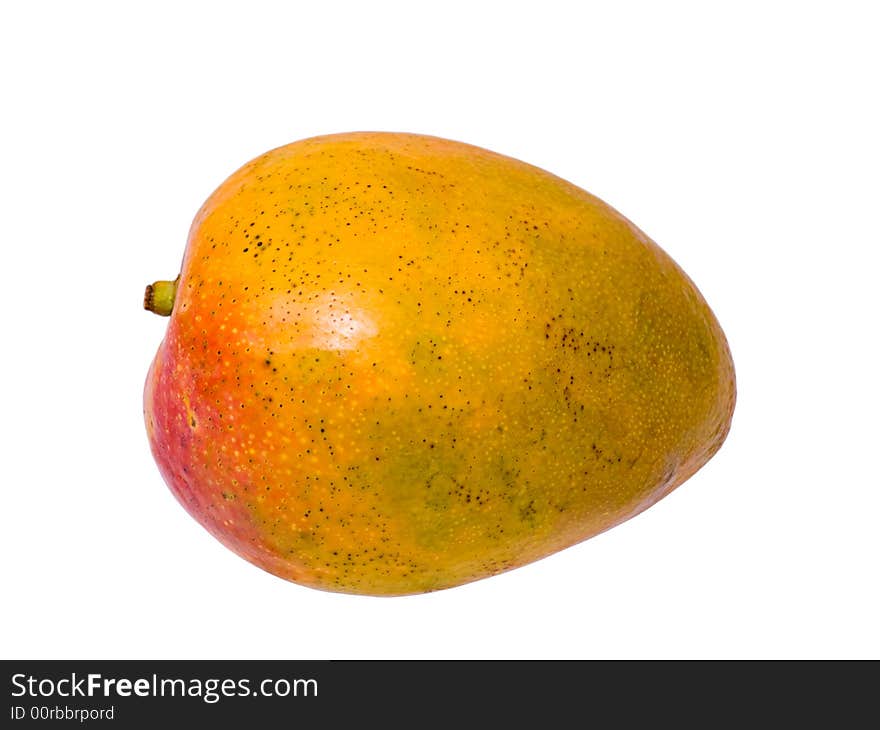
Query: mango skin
x=398 y=363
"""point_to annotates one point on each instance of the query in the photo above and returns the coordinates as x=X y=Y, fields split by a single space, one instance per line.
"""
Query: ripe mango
x=397 y=363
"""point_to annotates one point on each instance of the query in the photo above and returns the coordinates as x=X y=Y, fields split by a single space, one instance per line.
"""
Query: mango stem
x=159 y=297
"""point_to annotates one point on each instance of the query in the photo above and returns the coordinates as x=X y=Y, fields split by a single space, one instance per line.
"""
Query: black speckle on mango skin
x=398 y=363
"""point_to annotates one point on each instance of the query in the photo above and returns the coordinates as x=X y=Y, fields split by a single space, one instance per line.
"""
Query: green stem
x=159 y=297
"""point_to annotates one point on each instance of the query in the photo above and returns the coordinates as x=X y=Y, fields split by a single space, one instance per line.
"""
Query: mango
x=397 y=363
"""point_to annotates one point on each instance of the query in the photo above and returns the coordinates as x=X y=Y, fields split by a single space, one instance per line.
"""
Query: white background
x=742 y=137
